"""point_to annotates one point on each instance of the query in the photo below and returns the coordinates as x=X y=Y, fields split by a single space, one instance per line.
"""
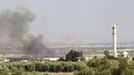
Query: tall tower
x=114 y=40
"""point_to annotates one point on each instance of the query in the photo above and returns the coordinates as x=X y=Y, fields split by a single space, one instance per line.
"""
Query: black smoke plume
x=15 y=25
x=35 y=46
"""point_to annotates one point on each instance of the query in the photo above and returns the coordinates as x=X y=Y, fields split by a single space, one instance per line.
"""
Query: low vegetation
x=107 y=65
x=31 y=68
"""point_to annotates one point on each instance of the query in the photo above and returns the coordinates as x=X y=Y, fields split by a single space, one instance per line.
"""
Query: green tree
x=94 y=63
x=74 y=55
x=106 y=53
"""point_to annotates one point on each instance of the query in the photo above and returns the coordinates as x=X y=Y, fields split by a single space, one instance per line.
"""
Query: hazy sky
x=86 y=19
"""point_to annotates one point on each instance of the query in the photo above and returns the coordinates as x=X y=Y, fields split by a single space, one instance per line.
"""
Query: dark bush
x=68 y=67
x=45 y=67
x=85 y=71
x=79 y=66
x=94 y=63
x=73 y=55
x=41 y=67
x=29 y=67
x=55 y=67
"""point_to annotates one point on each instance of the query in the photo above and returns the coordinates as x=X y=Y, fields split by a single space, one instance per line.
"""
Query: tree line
x=107 y=65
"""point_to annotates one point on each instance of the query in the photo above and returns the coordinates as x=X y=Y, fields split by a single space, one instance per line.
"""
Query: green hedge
x=17 y=67
x=29 y=67
x=68 y=67
x=96 y=66
x=41 y=67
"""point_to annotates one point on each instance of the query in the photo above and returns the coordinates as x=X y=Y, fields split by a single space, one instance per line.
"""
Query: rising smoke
x=35 y=46
x=15 y=25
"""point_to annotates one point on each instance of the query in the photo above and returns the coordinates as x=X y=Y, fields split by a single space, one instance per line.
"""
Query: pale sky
x=86 y=19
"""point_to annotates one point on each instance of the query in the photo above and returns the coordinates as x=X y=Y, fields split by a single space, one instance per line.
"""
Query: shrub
x=4 y=73
x=18 y=65
x=17 y=72
x=85 y=71
x=68 y=67
x=55 y=67
x=131 y=65
x=45 y=67
x=38 y=67
x=79 y=66
x=29 y=67
x=94 y=63
x=128 y=72
x=41 y=67
x=106 y=72
x=4 y=70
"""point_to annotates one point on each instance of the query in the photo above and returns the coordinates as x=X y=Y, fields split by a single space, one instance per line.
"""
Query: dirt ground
x=60 y=73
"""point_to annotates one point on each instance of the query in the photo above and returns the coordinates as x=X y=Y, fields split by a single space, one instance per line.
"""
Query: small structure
x=51 y=58
x=125 y=54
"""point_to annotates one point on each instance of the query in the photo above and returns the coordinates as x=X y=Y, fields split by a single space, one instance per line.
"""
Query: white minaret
x=114 y=40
